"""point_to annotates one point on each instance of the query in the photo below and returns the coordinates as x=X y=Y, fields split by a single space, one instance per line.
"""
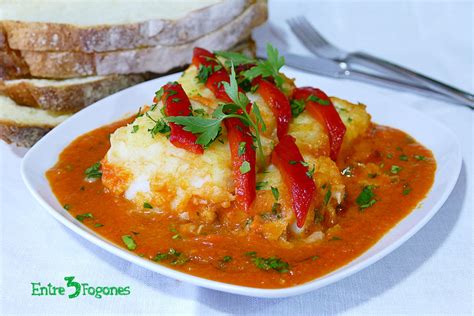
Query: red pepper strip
x=237 y=133
x=245 y=183
x=177 y=104
x=287 y=158
x=214 y=83
x=326 y=114
x=204 y=57
x=278 y=102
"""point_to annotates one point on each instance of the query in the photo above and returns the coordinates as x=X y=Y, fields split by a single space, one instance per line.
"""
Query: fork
x=319 y=46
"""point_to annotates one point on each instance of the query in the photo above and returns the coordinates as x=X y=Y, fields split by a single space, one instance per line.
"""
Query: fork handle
x=404 y=74
x=398 y=85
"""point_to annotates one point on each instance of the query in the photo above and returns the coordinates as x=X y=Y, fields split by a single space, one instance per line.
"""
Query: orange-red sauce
x=396 y=194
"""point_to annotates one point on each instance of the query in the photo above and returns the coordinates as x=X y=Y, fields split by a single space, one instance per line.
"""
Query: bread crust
x=41 y=36
x=22 y=135
x=68 y=98
x=78 y=64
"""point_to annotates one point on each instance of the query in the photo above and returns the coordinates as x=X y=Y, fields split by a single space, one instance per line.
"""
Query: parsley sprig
x=265 y=68
x=209 y=128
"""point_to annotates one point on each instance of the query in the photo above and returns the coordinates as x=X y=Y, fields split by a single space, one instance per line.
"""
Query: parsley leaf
x=268 y=68
x=261 y=185
x=208 y=128
x=366 y=197
x=242 y=148
x=147 y=205
x=245 y=167
x=93 y=172
x=129 y=242
x=395 y=169
x=276 y=193
x=318 y=100
x=297 y=107
x=203 y=73
x=233 y=58
x=82 y=217
x=272 y=263
x=327 y=196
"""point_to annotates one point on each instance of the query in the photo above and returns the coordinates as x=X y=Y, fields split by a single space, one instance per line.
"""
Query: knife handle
x=400 y=85
x=404 y=74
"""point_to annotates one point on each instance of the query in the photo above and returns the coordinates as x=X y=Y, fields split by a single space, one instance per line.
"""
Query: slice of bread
x=24 y=125
x=158 y=59
x=66 y=96
x=108 y=25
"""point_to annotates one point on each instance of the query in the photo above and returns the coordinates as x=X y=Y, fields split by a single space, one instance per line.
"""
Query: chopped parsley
x=67 y=207
x=406 y=189
x=227 y=259
x=389 y=156
x=147 y=205
x=93 y=172
x=160 y=126
x=272 y=263
x=82 y=217
x=297 y=107
x=419 y=157
x=403 y=157
x=334 y=238
x=292 y=162
x=129 y=242
x=245 y=167
x=203 y=73
x=395 y=169
x=135 y=128
x=98 y=225
x=372 y=175
x=318 y=100
x=175 y=257
x=310 y=172
x=261 y=185
x=327 y=196
x=242 y=148
x=276 y=193
x=366 y=197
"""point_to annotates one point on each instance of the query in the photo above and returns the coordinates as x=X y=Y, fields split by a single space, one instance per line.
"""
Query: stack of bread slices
x=59 y=56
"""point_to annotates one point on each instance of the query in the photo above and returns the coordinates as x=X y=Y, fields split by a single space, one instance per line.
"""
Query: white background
x=432 y=273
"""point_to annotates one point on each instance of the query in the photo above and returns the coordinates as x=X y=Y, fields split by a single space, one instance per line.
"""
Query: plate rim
x=314 y=284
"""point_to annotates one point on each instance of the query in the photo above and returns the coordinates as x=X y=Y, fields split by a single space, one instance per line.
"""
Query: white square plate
x=430 y=133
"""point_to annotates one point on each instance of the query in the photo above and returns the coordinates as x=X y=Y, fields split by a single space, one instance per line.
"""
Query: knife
x=340 y=70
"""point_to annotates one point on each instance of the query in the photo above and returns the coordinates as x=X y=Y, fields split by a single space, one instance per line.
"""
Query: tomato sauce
x=400 y=171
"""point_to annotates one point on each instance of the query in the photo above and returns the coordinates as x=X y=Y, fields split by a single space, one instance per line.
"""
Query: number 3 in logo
x=71 y=283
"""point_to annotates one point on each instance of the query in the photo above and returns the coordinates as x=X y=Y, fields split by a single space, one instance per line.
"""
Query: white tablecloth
x=432 y=273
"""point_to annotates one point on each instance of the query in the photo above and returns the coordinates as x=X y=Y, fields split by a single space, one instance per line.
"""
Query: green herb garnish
x=82 y=217
x=272 y=263
x=261 y=185
x=129 y=242
x=147 y=205
x=227 y=259
x=209 y=128
x=366 y=197
x=245 y=167
x=403 y=157
x=276 y=193
x=395 y=169
x=93 y=172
